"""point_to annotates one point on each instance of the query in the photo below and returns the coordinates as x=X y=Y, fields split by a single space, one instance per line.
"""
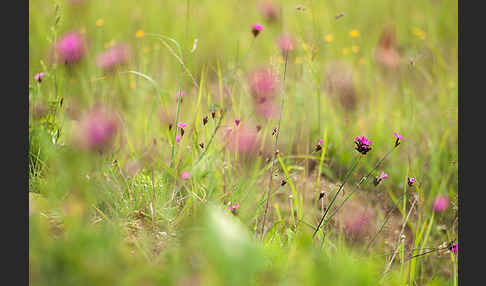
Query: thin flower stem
x=212 y=137
x=275 y=147
x=179 y=98
x=363 y=179
x=348 y=175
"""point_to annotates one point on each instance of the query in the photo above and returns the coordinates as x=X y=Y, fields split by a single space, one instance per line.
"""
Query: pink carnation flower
x=97 y=128
x=38 y=77
x=71 y=47
x=185 y=175
x=256 y=29
x=114 y=57
x=441 y=203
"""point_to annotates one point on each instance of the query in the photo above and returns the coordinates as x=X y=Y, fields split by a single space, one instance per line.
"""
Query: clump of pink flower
x=440 y=203
x=97 y=129
x=286 y=43
x=242 y=139
x=410 y=181
x=263 y=85
x=114 y=57
x=386 y=52
x=71 y=47
x=269 y=10
x=235 y=206
x=363 y=145
x=38 y=77
x=185 y=175
x=256 y=29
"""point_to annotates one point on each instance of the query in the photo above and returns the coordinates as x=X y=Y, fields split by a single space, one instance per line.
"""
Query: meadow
x=243 y=142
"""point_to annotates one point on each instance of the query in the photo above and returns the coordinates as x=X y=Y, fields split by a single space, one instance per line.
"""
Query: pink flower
x=178 y=138
x=233 y=207
x=266 y=108
x=383 y=176
x=256 y=29
x=286 y=43
x=399 y=137
x=237 y=122
x=411 y=181
x=441 y=203
x=114 y=57
x=71 y=47
x=38 y=77
x=180 y=93
x=263 y=83
x=275 y=129
x=185 y=175
x=362 y=144
x=181 y=125
x=97 y=128
x=454 y=246
x=269 y=10
x=242 y=140
x=319 y=146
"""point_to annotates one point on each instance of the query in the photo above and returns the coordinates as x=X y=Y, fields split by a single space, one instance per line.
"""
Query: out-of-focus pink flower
x=237 y=122
x=356 y=223
x=242 y=140
x=97 y=128
x=38 y=77
x=178 y=138
x=266 y=109
x=386 y=52
x=269 y=10
x=286 y=43
x=180 y=93
x=114 y=57
x=263 y=83
x=71 y=47
x=256 y=29
x=185 y=175
x=441 y=203
x=363 y=145
x=181 y=125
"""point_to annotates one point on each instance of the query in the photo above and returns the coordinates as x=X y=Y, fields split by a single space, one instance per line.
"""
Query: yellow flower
x=99 y=23
x=355 y=49
x=418 y=32
x=133 y=85
x=354 y=33
x=298 y=60
x=139 y=34
x=83 y=30
x=362 y=61
x=305 y=46
x=345 y=51
x=146 y=50
x=329 y=38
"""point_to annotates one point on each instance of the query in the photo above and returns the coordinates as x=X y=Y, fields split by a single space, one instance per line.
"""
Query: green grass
x=94 y=222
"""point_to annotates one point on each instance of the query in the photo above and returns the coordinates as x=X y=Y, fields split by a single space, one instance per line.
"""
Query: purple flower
x=181 y=125
x=454 y=246
x=411 y=181
x=256 y=29
x=237 y=122
x=38 y=77
x=205 y=120
x=114 y=57
x=399 y=137
x=362 y=144
x=319 y=146
x=441 y=203
x=97 y=128
x=185 y=175
x=235 y=206
x=71 y=47
x=382 y=176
